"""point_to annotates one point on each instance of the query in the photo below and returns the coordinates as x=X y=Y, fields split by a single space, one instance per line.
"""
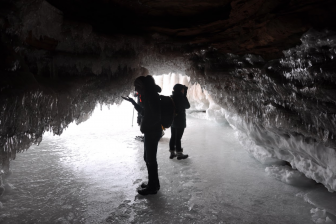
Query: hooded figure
x=179 y=124
x=150 y=108
x=151 y=127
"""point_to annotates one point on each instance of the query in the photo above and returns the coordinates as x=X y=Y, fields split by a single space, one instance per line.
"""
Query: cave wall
x=286 y=106
x=270 y=64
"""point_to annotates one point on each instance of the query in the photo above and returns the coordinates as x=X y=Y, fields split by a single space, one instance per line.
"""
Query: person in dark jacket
x=179 y=124
x=151 y=127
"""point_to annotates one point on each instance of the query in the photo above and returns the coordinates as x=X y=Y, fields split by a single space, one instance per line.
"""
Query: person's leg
x=179 y=134
x=151 y=144
x=179 y=150
x=145 y=148
x=144 y=184
x=172 y=143
x=172 y=139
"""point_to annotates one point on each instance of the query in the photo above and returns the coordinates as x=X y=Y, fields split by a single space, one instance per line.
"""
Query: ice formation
x=27 y=116
x=282 y=109
x=319 y=216
x=289 y=176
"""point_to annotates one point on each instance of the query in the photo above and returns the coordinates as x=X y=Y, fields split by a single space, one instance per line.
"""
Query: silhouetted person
x=179 y=124
x=151 y=127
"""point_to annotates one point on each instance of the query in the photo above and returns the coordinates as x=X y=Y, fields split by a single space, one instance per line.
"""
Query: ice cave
x=261 y=130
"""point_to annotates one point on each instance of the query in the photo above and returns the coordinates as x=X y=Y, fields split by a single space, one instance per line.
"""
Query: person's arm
x=136 y=106
x=186 y=101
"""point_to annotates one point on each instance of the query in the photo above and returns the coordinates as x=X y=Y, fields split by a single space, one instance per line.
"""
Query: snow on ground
x=91 y=172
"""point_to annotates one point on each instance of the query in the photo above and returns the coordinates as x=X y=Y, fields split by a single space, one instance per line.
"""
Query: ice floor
x=90 y=173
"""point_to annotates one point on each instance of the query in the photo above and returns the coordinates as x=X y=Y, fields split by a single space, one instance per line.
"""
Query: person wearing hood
x=179 y=124
x=151 y=127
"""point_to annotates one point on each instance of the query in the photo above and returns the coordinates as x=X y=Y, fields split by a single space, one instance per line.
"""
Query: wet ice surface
x=90 y=175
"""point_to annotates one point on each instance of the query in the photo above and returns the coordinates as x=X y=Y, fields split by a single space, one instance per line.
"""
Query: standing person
x=151 y=127
x=179 y=124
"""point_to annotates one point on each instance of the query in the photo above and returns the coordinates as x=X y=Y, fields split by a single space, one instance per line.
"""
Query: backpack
x=167 y=111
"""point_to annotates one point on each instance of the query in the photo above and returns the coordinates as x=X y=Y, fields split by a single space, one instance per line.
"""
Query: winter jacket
x=181 y=104
x=151 y=112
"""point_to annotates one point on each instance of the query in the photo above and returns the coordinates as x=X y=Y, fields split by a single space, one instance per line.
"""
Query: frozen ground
x=90 y=175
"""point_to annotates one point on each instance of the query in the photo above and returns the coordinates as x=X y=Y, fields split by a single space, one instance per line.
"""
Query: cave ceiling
x=54 y=38
x=239 y=27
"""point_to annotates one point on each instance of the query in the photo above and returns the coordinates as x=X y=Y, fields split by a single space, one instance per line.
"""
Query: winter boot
x=180 y=155
x=153 y=181
x=147 y=191
x=145 y=184
x=172 y=154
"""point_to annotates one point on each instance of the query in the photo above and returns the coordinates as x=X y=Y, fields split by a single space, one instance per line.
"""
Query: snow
x=315 y=160
x=319 y=197
x=90 y=173
x=320 y=216
x=289 y=176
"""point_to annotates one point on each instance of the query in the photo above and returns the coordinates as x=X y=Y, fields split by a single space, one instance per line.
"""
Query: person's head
x=139 y=84
x=144 y=84
x=179 y=88
x=149 y=80
x=150 y=84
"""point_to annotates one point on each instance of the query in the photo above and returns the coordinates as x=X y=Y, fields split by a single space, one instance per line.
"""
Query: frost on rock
x=25 y=117
x=319 y=216
x=322 y=199
x=289 y=176
x=282 y=109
